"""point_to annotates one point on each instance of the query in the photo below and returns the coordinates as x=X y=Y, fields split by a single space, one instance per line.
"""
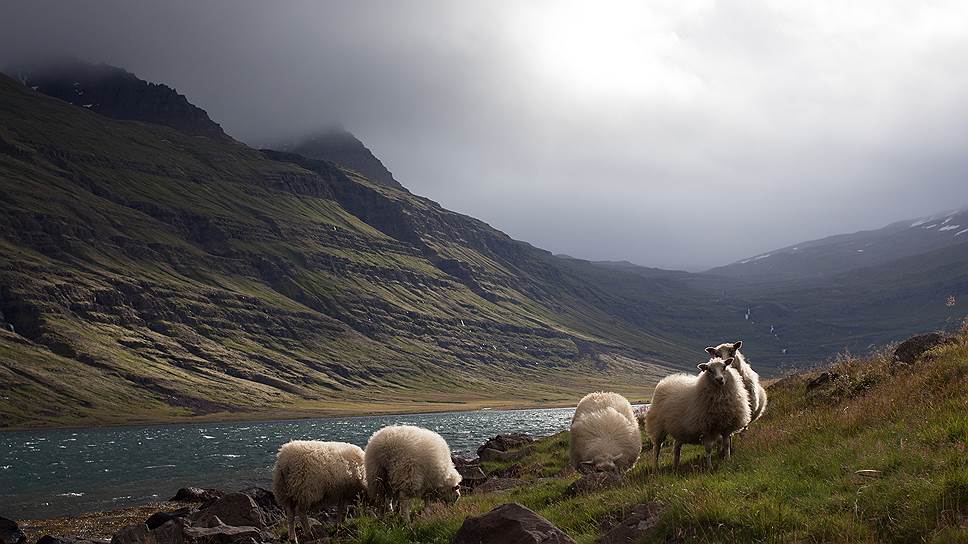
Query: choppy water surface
x=49 y=473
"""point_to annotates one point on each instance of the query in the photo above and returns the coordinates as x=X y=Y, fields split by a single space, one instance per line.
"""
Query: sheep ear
x=738 y=344
x=703 y=366
x=729 y=361
x=711 y=351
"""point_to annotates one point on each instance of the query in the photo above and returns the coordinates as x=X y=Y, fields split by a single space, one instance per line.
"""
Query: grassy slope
x=180 y=277
x=792 y=478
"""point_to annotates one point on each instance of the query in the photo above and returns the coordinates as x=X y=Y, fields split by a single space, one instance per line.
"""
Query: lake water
x=48 y=473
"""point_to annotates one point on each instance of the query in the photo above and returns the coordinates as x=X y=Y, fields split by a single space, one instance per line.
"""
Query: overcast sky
x=676 y=133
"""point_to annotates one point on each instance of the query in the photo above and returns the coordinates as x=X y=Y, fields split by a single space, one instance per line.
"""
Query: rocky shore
x=252 y=515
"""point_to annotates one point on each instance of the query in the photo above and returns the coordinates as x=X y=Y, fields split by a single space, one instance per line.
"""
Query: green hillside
x=148 y=274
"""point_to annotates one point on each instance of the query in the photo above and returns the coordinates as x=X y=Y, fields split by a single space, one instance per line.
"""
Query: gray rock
x=196 y=494
x=490 y=454
x=642 y=519
x=170 y=532
x=910 y=350
x=224 y=534
x=10 y=533
x=505 y=442
x=51 y=539
x=594 y=482
x=132 y=534
x=160 y=518
x=510 y=524
x=822 y=379
x=236 y=509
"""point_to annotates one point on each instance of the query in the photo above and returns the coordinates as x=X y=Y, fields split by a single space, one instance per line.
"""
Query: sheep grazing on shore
x=698 y=409
x=310 y=475
x=751 y=380
x=404 y=462
x=604 y=434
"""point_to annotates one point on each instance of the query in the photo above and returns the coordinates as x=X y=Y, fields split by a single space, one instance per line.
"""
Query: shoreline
x=281 y=415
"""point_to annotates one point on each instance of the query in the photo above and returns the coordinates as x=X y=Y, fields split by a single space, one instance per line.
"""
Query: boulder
x=642 y=519
x=594 y=482
x=498 y=484
x=505 y=442
x=470 y=471
x=196 y=494
x=224 y=534
x=160 y=518
x=510 y=524
x=170 y=532
x=910 y=350
x=132 y=534
x=266 y=501
x=236 y=509
x=10 y=533
x=51 y=539
x=491 y=454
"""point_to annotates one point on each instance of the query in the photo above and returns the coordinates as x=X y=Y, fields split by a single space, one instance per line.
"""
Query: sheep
x=604 y=434
x=698 y=409
x=751 y=379
x=404 y=462
x=310 y=474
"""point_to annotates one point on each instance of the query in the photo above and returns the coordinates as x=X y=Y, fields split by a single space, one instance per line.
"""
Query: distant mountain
x=116 y=93
x=341 y=147
x=845 y=252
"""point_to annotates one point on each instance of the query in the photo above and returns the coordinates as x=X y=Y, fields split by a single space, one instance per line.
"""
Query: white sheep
x=751 y=379
x=604 y=434
x=404 y=462
x=698 y=409
x=310 y=475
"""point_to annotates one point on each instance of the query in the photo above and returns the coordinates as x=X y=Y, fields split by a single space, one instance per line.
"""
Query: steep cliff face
x=116 y=93
x=147 y=274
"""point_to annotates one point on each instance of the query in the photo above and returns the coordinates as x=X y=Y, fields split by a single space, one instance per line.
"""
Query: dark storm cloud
x=679 y=134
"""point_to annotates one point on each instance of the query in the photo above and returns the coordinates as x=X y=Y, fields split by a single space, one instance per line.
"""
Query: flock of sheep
x=403 y=462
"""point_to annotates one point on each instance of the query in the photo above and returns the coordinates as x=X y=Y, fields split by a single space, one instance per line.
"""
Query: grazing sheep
x=604 y=434
x=698 y=409
x=404 y=462
x=751 y=380
x=310 y=474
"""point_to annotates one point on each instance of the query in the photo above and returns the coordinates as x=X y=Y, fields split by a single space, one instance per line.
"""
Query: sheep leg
x=291 y=524
x=675 y=456
x=307 y=528
x=727 y=446
x=341 y=511
x=708 y=443
x=656 y=449
x=405 y=509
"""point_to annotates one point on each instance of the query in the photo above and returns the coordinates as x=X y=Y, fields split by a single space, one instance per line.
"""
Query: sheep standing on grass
x=751 y=380
x=404 y=462
x=604 y=434
x=698 y=409
x=310 y=475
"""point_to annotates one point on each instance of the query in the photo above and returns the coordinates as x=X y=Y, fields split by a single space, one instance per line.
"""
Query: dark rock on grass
x=498 y=484
x=224 y=534
x=505 y=442
x=10 y=533
x=822 y=379
x=132 y=534
x=50 y=539
x=510 y=524
x=490 y=454
x=160 y=518
x=594 y=482
x=642 y=519
x=470 y=471
x=910 y=350
x=266 y=501
x=236 y=509
x=196 y=494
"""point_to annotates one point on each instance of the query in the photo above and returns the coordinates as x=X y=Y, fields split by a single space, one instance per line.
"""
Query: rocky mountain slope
x=339 y=146
x=147 y=273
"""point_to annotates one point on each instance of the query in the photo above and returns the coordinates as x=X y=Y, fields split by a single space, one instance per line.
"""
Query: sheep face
x=725 y=351
x=715 y=369
x=449 y=492
x=601 y=463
